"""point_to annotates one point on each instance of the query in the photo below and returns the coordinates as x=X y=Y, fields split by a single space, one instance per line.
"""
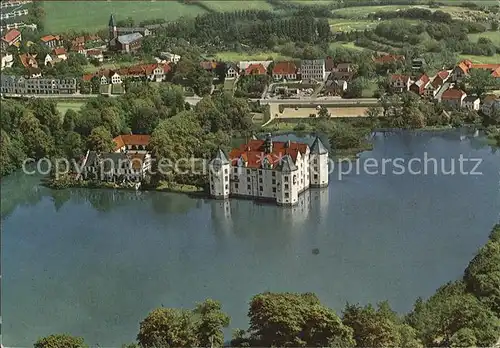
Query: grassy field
x=482 y=59
x=62 y=107
x=232 y=56
x=493 y=36
x=364 y=11
x=64 y=15
x=351 y=25
x=225 y=5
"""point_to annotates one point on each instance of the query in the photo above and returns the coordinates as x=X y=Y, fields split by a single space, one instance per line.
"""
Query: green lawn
x=492 y=35
x=363 y=11
x=351 y=25
x=62 y=107
x=482 y=59
x=235 y=5
x=90 y=68
x=348 y=45
x=64 y=15
x=232 y=56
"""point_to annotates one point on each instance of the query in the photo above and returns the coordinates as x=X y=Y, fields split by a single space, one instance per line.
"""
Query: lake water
x=95 y=262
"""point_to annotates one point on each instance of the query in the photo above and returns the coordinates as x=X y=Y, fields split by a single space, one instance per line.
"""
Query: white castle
x=269 y=170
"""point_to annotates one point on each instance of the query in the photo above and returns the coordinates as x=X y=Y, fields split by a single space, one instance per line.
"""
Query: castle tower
x=268 y=144
x=113 y=33
x=219 y=171
x=318 y=164
x=288 y=182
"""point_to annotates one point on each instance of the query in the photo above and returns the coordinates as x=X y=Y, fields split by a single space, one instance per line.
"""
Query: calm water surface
x=94 y=263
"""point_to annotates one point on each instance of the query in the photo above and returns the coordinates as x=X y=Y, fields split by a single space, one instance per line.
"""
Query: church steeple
x=112 y=22
x=113 y=33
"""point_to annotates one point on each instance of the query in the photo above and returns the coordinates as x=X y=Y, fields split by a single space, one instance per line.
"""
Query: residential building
x=132 y=143
x=153 y=72
x=51 y=60
x=313 y=70
x=285 y=70
x=491 y=103
x=418 y=87
x=255 y=69
x=243 y=65
x=269 y=170
x=20 y=85
x=335 y=87
x=208 y=65
x=232 y=71
x=95 y=54
x=12 y=37
x=170 y=57
x=453 y=97
x=343 y=71
x=400 y=83
x=60 y=53
x=432 y=88
x=472 y=102
x=418 y=64
x=28 y=60
x=129 y=162
x=34 y=73
x=131 y=30
x=118 y=167
x=7 y=60
x=465 y=66
x=52 y=41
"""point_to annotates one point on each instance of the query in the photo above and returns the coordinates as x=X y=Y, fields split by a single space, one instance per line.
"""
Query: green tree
x=73 y=145
x=479 y=80
x=60 y=341
x=100 y=140
x=323 y=112
x=300 y=320
x=168 y=327
x=211 y=321
x=482 y=276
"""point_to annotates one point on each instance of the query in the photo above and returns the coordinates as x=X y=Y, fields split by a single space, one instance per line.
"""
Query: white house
x=269 y=170
x=170 y=57
x=285 y=70
x=95 y=54
x=231 y=71
x=400 y=83
x=7 y=60
x=313 y=70
x=471 y=102
x=115 y=167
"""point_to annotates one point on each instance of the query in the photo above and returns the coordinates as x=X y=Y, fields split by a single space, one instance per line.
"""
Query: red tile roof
x=452 y=94
x=253 y=152
x=208 y=65
x=94 y=52
x=136 y=70
x=48 y=38
x=28 y=60
x=59 y=51
x=443 y=74
x=285 y=68
x=131 y=139
x=11 y=35
x=255 y=69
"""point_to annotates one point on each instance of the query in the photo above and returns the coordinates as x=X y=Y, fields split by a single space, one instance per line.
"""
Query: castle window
x=236 y=186
x=248 y=187
x=248 y=171
x=286 y=178
x=261 y=188
x=286 y=186
x=315 y=176
x=235 y=170
x=274 y=173
x=248 y=179
x=287 y=195
x=226 y=178
x=225 y=171
x=227 y=186
x=274 y=189
x=274 y=181
x=260 y=172
x=260 y=180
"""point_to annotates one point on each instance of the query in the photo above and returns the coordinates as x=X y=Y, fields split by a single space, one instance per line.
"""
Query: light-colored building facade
x=472 y=103
x=490 y=104
x=269 y=170
x=313 y=70
x=20 y=85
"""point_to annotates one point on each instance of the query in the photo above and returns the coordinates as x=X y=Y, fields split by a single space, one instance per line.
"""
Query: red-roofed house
x=418 y=86
x=400 y=83
x=255 y=69
x=60 y=53
x=51 y=41
x=28 y=60
x=131 y=143
x=285 y=70
x=453 y=97
x=12 y=37
x=95 y=54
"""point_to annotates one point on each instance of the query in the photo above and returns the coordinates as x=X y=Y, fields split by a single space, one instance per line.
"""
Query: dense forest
x=463 y=313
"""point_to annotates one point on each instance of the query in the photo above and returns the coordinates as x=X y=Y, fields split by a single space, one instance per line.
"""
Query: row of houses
x=156 y=72
x=443 y=86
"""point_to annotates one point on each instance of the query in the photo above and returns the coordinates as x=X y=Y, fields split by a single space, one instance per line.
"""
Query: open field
x=232 y=56
x=364 y=11
x=348 y=45
x=482 y=59
x=90 y=68
x=305 y=112
x=492 y=35
x=351 y=25
x=65 y=15
x=62 y=107
x=237 y=5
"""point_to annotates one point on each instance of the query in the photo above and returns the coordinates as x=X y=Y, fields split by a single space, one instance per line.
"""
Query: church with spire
x=269 y=170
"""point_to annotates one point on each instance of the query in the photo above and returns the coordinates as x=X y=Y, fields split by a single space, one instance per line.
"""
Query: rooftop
x=129 y=38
